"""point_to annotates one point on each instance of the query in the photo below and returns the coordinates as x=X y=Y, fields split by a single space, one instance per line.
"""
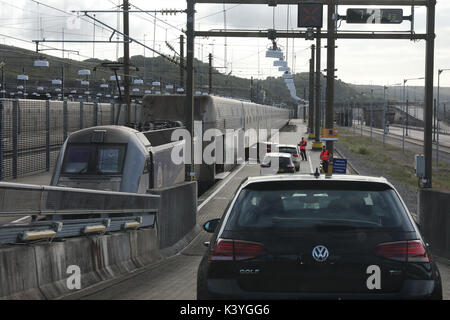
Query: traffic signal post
x=309 y=11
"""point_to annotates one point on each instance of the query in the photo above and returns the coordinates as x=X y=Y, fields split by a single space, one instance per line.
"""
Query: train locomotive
x=118 y=158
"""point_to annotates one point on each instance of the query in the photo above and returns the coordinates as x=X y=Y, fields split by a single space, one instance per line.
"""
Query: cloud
x=374 y=61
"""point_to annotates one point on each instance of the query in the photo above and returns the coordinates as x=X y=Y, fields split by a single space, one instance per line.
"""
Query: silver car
x=293 y=151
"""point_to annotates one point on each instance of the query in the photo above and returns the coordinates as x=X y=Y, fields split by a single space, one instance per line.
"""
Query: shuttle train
x=118 y=158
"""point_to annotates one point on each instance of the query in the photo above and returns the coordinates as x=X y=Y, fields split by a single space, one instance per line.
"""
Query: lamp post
x=371 y=114
x=437 y=111
x=384 y=113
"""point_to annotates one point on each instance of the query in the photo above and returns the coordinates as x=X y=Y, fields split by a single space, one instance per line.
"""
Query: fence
x=32 y=131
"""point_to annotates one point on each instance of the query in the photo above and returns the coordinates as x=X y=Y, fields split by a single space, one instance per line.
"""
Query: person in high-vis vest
x=325 y=159
x=302 y=145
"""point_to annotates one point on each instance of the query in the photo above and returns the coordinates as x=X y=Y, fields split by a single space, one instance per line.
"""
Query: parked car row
x=280 y=158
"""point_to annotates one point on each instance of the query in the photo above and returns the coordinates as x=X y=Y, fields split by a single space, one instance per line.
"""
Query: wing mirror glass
x=211 y=225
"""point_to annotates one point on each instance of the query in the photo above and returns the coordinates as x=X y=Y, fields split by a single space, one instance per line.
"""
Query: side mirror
x=211 y=225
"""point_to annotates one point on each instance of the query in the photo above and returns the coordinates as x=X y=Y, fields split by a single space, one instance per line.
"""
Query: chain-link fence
x=32 y=131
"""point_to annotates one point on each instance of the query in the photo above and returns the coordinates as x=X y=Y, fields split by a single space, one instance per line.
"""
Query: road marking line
x=310 y=162
x=221 y=187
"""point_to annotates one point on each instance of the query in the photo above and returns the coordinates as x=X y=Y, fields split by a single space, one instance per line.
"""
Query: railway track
x=352 y=168
x=442 y=148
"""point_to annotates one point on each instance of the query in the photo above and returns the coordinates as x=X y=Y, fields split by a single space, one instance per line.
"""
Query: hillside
x=18 y=61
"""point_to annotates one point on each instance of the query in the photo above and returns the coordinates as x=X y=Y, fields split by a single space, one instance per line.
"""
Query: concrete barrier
x=177 y=212
x=39 y=271
x=434 y=217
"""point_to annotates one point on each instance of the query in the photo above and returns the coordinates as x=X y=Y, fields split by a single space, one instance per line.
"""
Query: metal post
x=95 y=114
x=438 y=89
x=15 y=137
x=407 y=116
x=81 y=114
x=403 y=116
x=135 y=115
x=47 y=135
x=3 y=81
x=318 y=73
x=360 y=119
x=2 y=125
x=182 y=61
x=311 y=89
x=65 y=118
x=145 y=64
x=190 y=86
x=113 y=111
x=429 y=73
x=126 y=55
x=437 y=143
x=331 y=53
x=384 y=115
x=210 y=74
x=434 y=120
x=371 y=114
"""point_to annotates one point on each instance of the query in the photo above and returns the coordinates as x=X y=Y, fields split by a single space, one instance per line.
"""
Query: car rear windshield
x=94 y=159
x=282 y=161
x=330 y=205
x=290 y=150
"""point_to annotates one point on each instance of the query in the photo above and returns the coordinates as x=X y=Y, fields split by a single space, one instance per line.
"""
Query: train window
x=110 y=159
x=94 y=159
x=77 y=159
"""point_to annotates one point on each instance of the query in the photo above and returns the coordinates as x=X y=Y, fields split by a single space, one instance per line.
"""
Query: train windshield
x=94 y=160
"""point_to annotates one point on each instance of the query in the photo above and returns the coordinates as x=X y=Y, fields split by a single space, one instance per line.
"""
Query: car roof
x=287 y=146
x=322 y=177
x=278 y=154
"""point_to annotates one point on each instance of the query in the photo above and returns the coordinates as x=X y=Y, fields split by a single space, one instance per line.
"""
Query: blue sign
x=340 y=166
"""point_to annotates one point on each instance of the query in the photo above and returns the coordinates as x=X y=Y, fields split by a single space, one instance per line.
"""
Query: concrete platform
x=41 y=179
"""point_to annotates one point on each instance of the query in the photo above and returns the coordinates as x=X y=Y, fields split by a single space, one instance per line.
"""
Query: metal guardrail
x=59 y=212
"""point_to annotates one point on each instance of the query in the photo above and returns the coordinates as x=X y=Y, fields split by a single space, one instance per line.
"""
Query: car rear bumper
x=218 y=289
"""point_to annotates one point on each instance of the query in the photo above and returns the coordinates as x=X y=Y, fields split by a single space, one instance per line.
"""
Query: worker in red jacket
x=302 y=145
x=325 y=158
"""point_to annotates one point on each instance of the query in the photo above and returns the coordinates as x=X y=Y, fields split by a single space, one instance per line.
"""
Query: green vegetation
x=390 y=160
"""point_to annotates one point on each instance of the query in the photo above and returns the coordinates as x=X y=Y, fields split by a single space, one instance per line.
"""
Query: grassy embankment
x=390 y=160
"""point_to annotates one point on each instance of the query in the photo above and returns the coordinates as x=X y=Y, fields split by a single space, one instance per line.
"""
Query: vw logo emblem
x=320 y=253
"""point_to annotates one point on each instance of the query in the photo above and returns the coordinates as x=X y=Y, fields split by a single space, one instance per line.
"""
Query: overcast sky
x=358 y=61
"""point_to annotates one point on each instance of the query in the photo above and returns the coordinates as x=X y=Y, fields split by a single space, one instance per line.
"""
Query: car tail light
x=404 y=251
x=244 y=250
x=290 y=166
x=295 y=155
x=223 y=251
x=235 y=250
x=265 y=165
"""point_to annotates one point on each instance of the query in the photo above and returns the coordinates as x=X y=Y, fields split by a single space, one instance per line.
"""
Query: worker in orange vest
x=302 y=145
x=325 y=159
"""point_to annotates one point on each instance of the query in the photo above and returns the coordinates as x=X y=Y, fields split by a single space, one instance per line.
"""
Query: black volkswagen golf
x=306 y=237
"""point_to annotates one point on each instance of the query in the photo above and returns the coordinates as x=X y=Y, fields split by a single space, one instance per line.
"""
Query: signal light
x=235 y=250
